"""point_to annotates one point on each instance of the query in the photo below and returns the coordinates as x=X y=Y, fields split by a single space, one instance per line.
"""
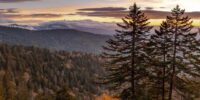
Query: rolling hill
x=56 y=39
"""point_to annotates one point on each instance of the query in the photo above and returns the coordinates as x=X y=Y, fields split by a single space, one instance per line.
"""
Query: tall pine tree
x=183 y=41
x=125 y=56
x=160 y=45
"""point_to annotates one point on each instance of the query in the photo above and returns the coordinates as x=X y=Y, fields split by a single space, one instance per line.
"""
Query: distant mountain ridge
x=84 y=25
x=55 y=39
x=22 y=26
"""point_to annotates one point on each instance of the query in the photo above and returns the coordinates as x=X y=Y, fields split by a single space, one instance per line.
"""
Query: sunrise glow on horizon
x=34 y=12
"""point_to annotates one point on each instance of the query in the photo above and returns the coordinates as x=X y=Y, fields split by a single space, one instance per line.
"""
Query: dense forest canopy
x=135 y=64
x=29 y=73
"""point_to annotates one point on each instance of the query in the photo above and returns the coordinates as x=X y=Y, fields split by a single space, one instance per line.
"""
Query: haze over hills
x=84 y=25
x=55 y=39
x=55 y=36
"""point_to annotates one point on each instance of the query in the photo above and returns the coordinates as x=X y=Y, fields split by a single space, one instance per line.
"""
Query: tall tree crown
x=125 y=51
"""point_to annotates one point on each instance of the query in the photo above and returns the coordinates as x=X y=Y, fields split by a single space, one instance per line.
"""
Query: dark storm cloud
x=10 y=1
x=121 y=12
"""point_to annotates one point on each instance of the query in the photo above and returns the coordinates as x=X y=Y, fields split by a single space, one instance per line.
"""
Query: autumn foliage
x=106 y=97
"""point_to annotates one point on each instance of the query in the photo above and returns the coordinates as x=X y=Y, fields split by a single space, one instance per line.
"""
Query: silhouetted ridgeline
x=58 y=39
x=29 y=72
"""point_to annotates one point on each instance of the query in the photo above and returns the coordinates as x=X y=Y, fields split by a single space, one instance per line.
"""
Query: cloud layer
x=103 y=9
x=121 y=12
x=82 y=25
x=33 y=15
x=11 y=1
x=14 y=13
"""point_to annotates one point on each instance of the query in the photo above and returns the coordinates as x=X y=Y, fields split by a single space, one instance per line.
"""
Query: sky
x=36 y=12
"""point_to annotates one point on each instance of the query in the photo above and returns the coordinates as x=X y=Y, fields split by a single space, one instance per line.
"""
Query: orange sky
x=66 y=11
x=38 y=11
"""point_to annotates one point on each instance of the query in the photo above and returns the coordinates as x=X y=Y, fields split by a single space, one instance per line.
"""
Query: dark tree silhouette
x=126 y=56
x=160 y=45
x=183 y=46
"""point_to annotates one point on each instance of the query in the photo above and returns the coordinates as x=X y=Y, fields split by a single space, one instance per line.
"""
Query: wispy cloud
x=149 y=8
x=96 y=10
x=103 y=12
x=10 y=10
x=11 y=1
x=33 y=16
x=120 y=12
x=104 y=9
x=83 y=25
x=15 y=13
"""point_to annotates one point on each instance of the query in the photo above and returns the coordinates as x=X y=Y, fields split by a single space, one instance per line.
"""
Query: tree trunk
x=163 y=78
x=133 y=65
x=173 y=66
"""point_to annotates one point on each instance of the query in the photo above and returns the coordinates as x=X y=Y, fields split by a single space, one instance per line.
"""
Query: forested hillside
x=29 y=73
x=58 y=39
x=139 y=62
